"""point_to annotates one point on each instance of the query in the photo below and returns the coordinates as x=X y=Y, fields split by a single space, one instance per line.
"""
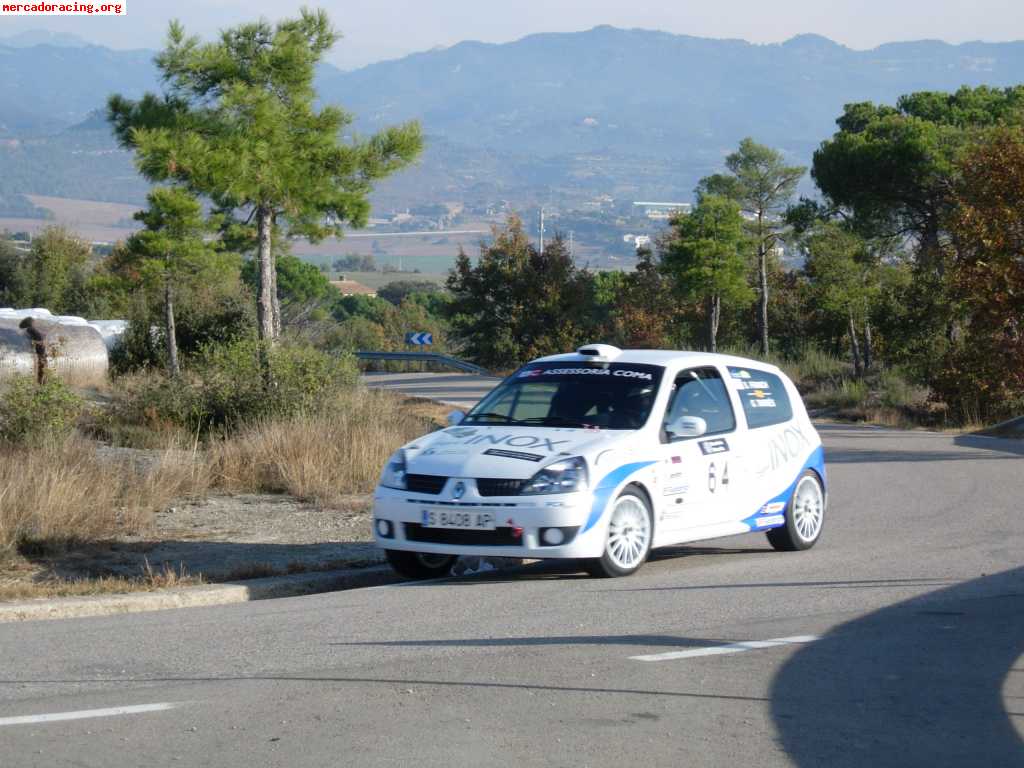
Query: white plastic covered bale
x=20 y=314
x=75 y=353
x=112 y=331
x=17 y=357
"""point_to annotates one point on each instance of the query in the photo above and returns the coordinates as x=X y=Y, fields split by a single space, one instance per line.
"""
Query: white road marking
x=718 y=650
x=83 y=714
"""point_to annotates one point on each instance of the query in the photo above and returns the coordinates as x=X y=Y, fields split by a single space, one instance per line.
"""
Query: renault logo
x=459 y=490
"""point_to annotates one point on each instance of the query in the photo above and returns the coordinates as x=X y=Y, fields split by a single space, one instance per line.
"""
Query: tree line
x=911 y=256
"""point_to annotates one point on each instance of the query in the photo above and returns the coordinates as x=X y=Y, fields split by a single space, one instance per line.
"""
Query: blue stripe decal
x=759 y=521
x=607 y=487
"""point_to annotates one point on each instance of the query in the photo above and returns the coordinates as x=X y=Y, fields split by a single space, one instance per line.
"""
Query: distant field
x=90 y=212
x=91 y=232
x=376 y=279
x=91 y=220
x=432 y=253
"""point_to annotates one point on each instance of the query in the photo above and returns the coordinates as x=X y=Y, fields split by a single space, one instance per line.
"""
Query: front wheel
x=419 y=565
x=630 y=532
x=805 y=516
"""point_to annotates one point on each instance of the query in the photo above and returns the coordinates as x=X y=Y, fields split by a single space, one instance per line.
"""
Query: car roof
x=663 y=357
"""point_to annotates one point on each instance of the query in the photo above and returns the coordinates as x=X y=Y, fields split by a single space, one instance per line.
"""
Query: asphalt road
x=915 y=596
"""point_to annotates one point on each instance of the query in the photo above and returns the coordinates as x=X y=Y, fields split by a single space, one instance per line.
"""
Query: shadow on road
x=642 y=641
x=1001 y=445
x=913 y=456
x=216 y=561
x=916 y=684
x=839 y=584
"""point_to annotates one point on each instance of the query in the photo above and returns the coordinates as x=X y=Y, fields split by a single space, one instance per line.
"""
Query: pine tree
x=238 y=124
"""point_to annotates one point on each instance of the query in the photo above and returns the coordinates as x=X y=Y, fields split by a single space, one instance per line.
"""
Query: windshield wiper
x=488 y=415
x=559 y=421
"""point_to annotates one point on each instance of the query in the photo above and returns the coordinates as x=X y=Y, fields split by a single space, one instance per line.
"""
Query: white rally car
x=602 y=455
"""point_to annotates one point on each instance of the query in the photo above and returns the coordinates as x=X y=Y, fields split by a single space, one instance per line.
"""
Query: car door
x=775 y=444
x=698 y=474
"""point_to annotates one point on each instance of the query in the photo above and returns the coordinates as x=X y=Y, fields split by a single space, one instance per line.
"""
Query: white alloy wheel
x=808 y=508
x=629 y=533
x=805 y=516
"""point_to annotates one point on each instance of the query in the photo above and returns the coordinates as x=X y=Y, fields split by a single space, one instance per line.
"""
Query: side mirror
x=688 y=426
x=455 y=418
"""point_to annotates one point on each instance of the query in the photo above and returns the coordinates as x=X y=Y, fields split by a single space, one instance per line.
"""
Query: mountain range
x=638 y=111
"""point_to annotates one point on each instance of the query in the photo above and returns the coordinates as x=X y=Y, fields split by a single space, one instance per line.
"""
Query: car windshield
x=584 y=394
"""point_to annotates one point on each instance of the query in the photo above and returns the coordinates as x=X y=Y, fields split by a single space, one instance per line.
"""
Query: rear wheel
x=805 y=516
x=419 y=565
x=630 y=532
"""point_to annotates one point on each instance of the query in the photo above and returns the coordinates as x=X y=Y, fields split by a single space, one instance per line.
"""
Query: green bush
x=199 y=324
x=808 y=366
x=32 y=413
x=226 y=387
x=895 y=391
x=811 y=365
x=849 y=393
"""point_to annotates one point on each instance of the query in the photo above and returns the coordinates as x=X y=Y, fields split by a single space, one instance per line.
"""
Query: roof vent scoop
x=599 y=351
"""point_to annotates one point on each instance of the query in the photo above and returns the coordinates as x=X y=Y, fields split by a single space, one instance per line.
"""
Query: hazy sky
x=390 y=28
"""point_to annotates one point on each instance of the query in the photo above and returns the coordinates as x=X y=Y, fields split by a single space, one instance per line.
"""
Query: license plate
x=448 y=518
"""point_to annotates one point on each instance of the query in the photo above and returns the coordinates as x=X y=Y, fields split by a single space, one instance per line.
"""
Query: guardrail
x=425 y=357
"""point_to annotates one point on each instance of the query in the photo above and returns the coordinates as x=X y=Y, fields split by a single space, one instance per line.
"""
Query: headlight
x=393 y=475
x=563 y=476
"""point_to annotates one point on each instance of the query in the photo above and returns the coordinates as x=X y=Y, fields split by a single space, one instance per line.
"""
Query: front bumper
x=519 y=520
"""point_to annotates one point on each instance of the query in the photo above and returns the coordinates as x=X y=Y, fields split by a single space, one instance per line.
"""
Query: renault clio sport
x=603 y=455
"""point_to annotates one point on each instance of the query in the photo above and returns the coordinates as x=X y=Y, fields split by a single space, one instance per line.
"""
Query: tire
x=805 y=516
x=419 y=565
x=630 y=533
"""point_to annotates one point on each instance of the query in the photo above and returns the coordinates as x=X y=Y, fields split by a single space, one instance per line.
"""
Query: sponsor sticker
x=529 y=374
x=737 y=373
x=766 y=403
x=513 y=454
x=458 y=450
x=719 y=445
x=772 y=508
x=675 y=490
x=512 y=440
x=764 y=522
x=677 y=459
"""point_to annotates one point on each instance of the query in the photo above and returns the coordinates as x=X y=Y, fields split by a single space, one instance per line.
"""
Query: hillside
x=547 y=118
x=636 y=91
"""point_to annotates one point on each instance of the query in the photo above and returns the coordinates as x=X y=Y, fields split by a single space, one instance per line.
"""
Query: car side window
x=700 y=392
x=763 y=395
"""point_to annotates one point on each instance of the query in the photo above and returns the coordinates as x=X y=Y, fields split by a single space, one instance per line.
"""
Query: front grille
x=499 y=537
x=425 y=483
x=487 y=486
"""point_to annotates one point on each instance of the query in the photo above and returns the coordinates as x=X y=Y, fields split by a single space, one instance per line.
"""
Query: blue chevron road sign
x=419 y=339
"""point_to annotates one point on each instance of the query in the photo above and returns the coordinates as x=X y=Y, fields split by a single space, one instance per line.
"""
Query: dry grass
x=148 y=581
x=54 y=495
x=325 y=457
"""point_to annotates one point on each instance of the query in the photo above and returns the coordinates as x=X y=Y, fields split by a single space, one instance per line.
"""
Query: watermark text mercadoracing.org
x=64 y=9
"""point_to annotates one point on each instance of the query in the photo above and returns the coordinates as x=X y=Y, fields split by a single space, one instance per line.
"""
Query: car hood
x=513 y=453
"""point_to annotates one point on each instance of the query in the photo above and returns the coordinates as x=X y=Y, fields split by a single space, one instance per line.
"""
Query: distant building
x=660 y=211
x=637 y=241
x=353 y=288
